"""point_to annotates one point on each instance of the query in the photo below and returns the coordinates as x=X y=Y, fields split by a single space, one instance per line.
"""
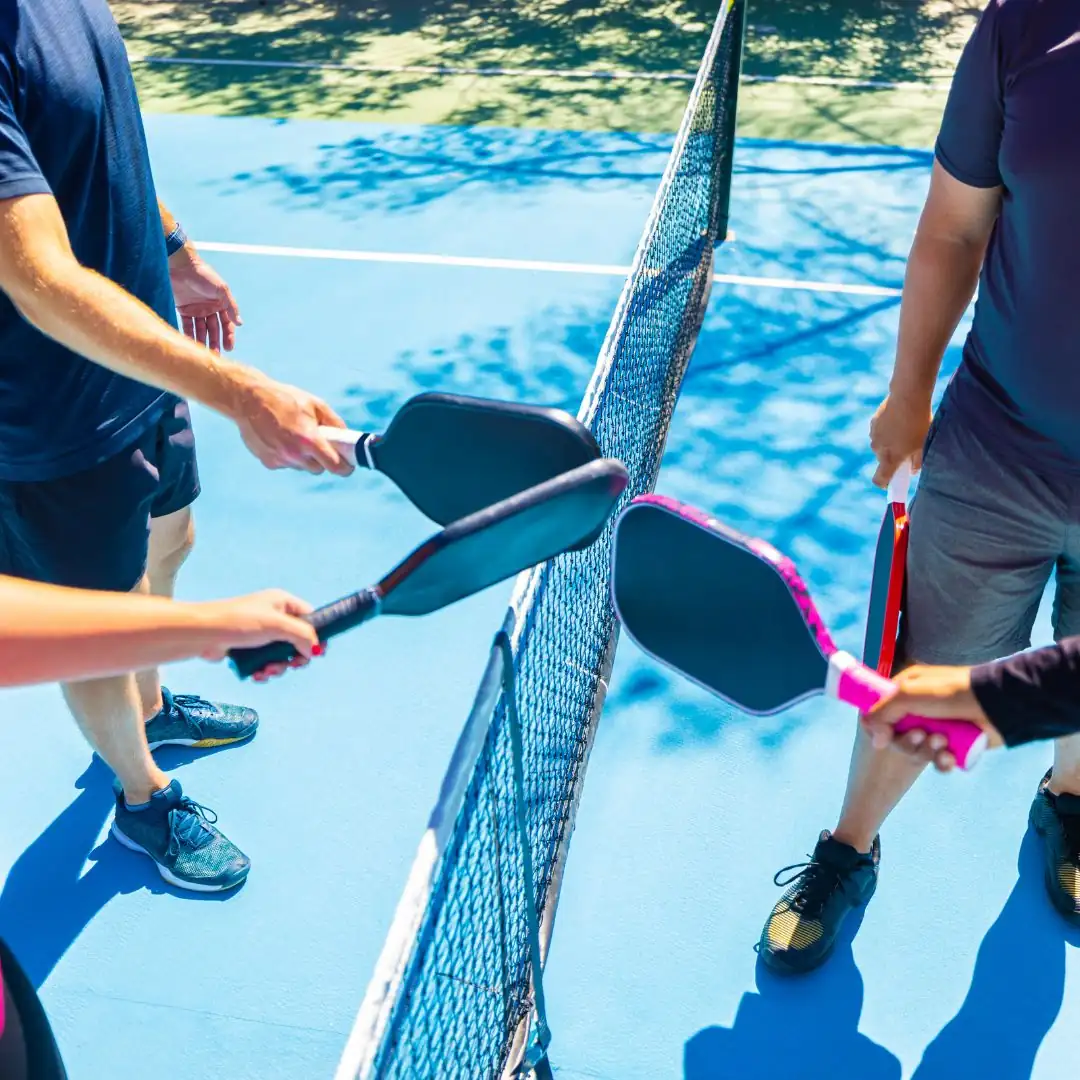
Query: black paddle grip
x=328 y=621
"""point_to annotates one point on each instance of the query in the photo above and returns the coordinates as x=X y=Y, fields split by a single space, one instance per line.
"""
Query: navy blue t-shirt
x=1013 y=119
x=70 y=126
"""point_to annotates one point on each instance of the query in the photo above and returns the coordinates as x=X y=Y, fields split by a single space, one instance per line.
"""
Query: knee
x=172 y=539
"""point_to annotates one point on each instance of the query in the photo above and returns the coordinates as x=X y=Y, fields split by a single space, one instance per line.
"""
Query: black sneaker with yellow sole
x=803 y=927
x=1056 y=820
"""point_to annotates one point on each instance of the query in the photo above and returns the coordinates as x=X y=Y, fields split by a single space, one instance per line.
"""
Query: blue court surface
x=372 y=262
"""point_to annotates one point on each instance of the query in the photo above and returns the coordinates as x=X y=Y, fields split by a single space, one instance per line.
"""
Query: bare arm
x=1023 y=698
x=942 y=273
x=50 y=634
x=96 y=318
x=168 y=222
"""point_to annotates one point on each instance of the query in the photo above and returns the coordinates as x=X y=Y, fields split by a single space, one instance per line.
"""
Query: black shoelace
x=817 y=881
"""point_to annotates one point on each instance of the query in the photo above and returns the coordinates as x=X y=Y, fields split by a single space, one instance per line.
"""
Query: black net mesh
x=466 y=986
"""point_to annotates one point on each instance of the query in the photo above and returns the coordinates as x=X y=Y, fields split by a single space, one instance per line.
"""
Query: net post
x=535 y=1060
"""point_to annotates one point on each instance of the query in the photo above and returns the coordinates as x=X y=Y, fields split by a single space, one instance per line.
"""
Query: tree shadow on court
x=862 y=39
x=65 y=877
x=1017 y=987
x=806 y=1027
x=881 y=40
x=426 y=33
x=409 y=170
x=770 y=432
x=770 y=435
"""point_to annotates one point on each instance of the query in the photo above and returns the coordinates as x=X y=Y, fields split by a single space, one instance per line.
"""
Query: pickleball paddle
x=887 y=583
x=733 y=615
x=563 y=514
x=452 y=456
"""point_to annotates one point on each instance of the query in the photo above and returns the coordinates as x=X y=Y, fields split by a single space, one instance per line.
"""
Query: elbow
x=40 y=291
x=961 y=255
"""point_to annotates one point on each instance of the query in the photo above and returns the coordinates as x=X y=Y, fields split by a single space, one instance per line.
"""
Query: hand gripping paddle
x=452 y=456
x=733 y=615
x=559 y=515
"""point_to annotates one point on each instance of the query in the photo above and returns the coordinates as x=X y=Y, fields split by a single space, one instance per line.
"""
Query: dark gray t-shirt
x=1013 y=119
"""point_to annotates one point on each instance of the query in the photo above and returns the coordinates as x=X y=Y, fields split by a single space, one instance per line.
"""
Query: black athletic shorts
x=91 y=530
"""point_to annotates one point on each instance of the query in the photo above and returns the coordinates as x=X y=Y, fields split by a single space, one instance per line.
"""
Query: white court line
x=842 y=81
x=529 y=73
x=538 y=265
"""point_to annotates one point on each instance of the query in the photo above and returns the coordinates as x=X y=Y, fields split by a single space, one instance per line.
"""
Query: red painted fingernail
x=318 y=650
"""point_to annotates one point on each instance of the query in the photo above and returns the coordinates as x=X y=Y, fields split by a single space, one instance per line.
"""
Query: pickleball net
x=453 y=993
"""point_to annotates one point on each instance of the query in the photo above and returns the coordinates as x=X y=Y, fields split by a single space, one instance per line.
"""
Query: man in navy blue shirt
x=998 y=506
x=97 y=460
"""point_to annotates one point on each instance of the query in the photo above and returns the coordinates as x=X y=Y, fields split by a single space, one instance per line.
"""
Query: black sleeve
x=1033 y=695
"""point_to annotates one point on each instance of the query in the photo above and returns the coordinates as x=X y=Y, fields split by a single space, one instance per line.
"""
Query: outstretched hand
x=260 y=619
x=940 y=693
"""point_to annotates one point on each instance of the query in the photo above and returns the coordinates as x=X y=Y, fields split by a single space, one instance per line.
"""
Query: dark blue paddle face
x=713 y=610
x=564 y=514
x=453 y=456
x=560 y=515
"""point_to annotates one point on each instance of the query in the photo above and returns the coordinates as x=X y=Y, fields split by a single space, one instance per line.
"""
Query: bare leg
x=1065 y=779
x=110 y=714
x=171 y=540
x=877 y=781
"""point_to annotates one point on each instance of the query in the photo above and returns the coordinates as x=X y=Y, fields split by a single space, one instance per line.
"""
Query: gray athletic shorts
x=986 y=534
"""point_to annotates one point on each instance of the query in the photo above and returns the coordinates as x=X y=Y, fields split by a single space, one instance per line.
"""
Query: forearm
x=939 y=282
x=96 y=318
x=168 y=222
x=178 y=247
x=50 y=634
x=1034 y=695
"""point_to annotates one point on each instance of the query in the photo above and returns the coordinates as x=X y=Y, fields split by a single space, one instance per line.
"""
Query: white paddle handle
x=900 y=484
x=344 y=440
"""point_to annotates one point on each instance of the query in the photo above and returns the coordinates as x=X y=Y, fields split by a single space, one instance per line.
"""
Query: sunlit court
x=685 y=224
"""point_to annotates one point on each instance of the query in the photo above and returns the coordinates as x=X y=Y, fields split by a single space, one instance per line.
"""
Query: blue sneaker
x=179 y=835
x=187 y=720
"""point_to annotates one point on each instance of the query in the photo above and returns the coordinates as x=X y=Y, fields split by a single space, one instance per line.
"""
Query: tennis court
x=395 y=230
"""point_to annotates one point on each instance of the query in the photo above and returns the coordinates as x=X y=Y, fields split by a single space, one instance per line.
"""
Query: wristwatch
x=175 y=240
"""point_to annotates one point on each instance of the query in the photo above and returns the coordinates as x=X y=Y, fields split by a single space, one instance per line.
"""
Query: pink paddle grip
x=863 y=688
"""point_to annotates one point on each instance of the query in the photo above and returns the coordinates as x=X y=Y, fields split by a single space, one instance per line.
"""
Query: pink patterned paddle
x=733 y=615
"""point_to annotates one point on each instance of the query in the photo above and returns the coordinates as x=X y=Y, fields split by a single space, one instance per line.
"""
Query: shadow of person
x=801 y=1028
x=1016 y=989
x=62 y=880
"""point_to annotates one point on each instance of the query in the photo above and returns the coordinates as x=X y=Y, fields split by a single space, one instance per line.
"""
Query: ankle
x=859 y=839
x=153 y=708
x=1064 y=783
x=140 y=792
